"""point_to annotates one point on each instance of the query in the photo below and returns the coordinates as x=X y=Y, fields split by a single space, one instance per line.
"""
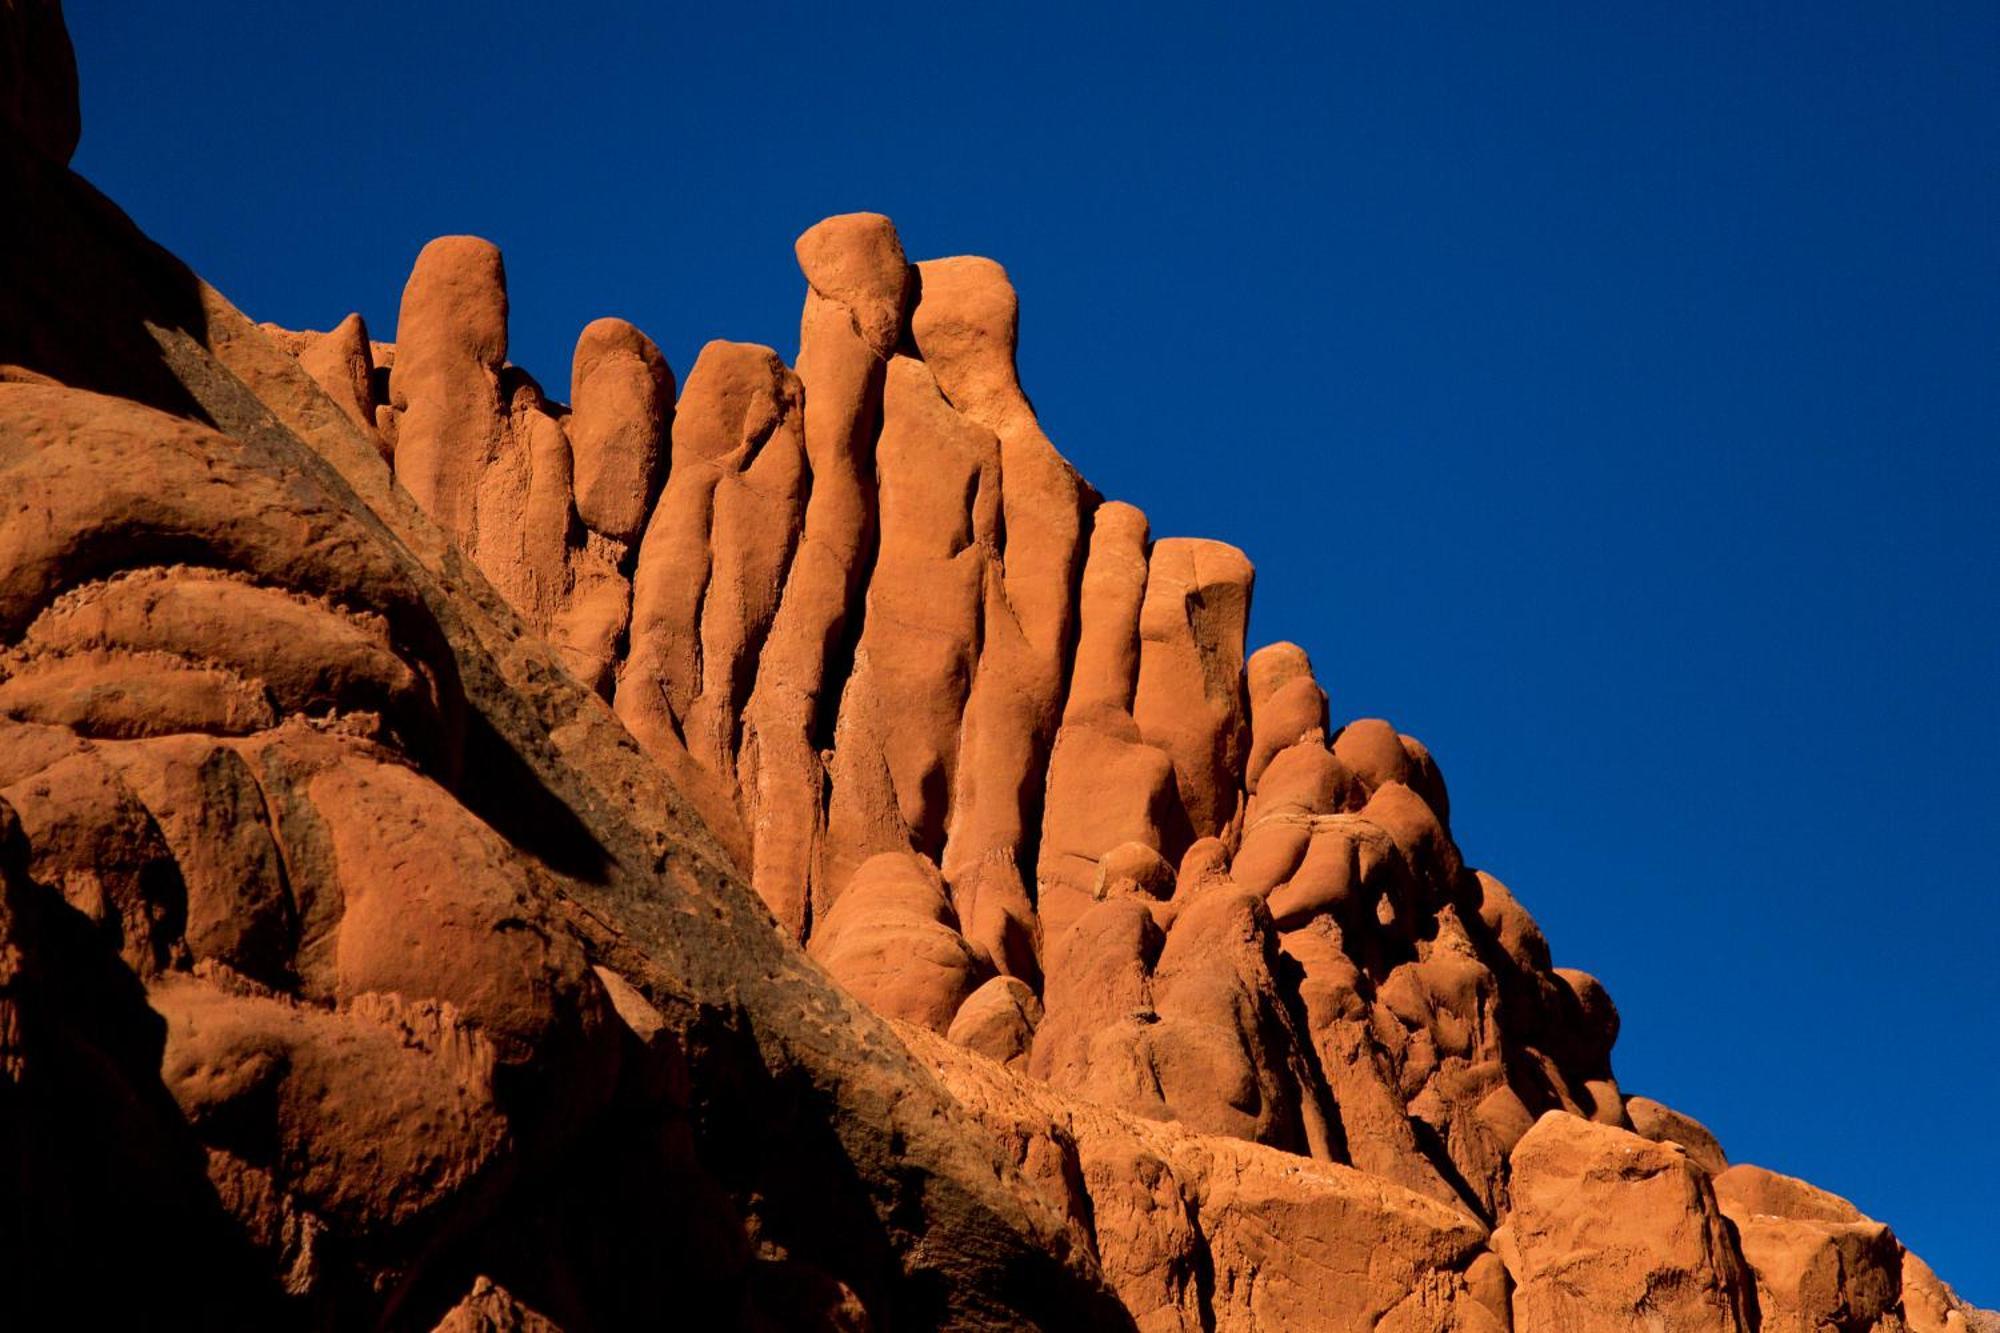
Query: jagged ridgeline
x=774 y=850
x=991 y=753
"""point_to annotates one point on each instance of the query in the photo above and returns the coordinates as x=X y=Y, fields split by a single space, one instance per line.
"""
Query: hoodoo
x=776 y=849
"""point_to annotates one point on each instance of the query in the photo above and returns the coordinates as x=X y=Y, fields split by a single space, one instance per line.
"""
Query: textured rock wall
x=1001 y=763
x=430 y=814
x=972 y=722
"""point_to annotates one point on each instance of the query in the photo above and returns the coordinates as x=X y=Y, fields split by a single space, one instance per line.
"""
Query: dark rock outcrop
x=785 y=854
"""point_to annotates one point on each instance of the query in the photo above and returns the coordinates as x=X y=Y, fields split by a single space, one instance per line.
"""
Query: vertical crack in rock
x=349 y=938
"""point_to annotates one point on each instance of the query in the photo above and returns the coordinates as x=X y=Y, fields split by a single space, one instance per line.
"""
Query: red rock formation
x=402 y=774
x=853 y=318
x=713 y=560
x=1199 y=1231
x=893 y=940
x=1609 y=1230
x=1820 y=1264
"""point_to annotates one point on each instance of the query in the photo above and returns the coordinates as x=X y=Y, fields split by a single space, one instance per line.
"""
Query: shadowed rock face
x=452 y=842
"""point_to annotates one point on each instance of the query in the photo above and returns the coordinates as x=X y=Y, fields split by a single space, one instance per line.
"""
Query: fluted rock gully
x=770 y=847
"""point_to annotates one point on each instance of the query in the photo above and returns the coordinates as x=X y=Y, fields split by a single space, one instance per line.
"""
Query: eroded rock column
x=858 y=290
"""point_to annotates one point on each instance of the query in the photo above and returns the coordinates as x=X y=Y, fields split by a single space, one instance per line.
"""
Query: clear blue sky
x=1607 y=395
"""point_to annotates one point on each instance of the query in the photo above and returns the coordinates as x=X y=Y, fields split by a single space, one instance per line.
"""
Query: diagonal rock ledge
x=415 y=792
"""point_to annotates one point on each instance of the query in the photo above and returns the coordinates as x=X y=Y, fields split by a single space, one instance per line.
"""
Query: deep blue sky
x=1606 y=394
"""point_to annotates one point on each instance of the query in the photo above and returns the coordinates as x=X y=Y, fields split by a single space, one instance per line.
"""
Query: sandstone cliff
x=775 y=848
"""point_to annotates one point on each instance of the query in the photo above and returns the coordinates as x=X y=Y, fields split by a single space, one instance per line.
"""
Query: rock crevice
x=780 y=850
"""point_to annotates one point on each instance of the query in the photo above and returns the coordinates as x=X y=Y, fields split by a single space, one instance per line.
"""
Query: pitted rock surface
x=773 y=849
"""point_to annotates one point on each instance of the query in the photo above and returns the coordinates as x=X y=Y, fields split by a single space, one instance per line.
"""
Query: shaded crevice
x=1204 y=1267
x=1034 y=804
x=505 y=790
x=1432 y=1145
x=1288 y=977
x=287 y=871
x=838 y=669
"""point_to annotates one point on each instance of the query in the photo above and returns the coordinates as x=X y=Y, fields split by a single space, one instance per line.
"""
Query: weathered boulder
x=1663 y=1124
x=1818 y=1262
x=998 y=1021
x=1609 y=1230
x=893 y=941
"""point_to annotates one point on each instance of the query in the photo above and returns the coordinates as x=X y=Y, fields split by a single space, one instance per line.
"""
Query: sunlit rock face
x=773 y=848
x=970 y=721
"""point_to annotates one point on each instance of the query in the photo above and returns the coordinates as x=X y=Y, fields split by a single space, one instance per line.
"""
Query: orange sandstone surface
x=771 y=847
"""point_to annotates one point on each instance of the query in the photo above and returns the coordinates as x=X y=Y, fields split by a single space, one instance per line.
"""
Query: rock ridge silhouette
x=770 y=849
